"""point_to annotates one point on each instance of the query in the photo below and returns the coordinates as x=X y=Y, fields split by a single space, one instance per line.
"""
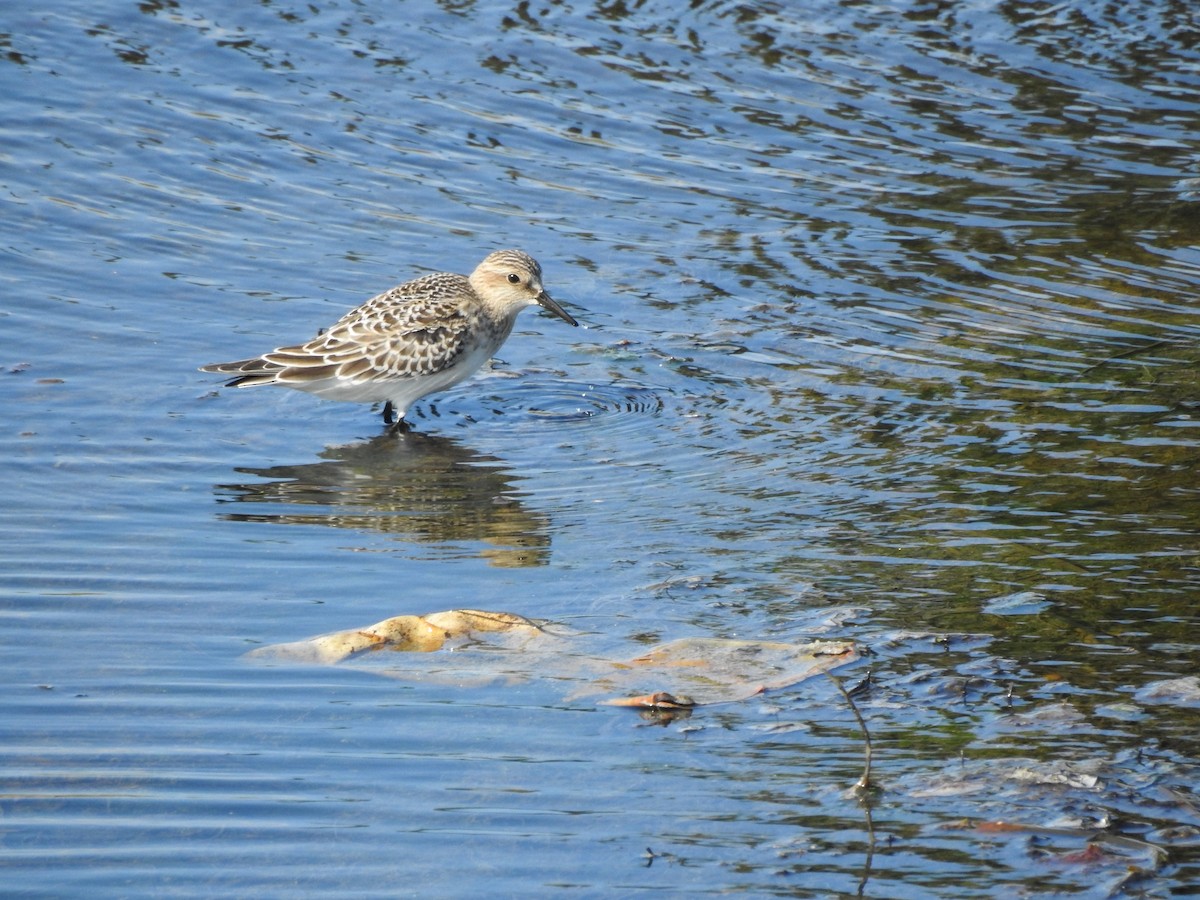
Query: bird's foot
x=392 y=424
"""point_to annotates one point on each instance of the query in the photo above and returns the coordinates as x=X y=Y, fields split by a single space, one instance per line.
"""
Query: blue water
x=888 y=318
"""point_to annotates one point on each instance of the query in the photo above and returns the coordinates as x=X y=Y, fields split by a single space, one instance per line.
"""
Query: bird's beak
x=547 y=302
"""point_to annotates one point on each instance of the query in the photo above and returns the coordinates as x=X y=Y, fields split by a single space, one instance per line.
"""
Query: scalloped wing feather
x=418 y=328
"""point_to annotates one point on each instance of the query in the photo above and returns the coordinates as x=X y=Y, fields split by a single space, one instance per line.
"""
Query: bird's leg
x=392 y=423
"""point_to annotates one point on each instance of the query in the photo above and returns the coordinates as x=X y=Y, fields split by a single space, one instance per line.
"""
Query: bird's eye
x=514 y=278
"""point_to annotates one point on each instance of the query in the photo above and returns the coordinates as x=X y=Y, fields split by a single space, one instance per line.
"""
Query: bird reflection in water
x=420 y=488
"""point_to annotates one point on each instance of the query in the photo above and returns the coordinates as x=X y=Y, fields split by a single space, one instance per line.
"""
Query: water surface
x=890 y=336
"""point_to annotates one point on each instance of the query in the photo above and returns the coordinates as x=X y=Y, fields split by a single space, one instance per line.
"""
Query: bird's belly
x=401 y=390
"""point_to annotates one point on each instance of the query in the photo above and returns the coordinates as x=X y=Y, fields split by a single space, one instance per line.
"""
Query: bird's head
x=513 y=280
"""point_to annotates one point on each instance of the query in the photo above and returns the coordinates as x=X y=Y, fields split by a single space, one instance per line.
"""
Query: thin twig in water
x=864 y=783
x=1132 y=351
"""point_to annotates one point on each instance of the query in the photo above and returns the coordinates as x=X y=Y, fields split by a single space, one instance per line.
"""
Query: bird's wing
x=416 y=328
x=392 y=335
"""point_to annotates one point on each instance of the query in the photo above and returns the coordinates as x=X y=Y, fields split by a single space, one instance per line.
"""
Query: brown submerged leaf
x=714 y=670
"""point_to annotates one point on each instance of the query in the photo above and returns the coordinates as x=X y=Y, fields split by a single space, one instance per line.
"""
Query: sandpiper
x=422 y=336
